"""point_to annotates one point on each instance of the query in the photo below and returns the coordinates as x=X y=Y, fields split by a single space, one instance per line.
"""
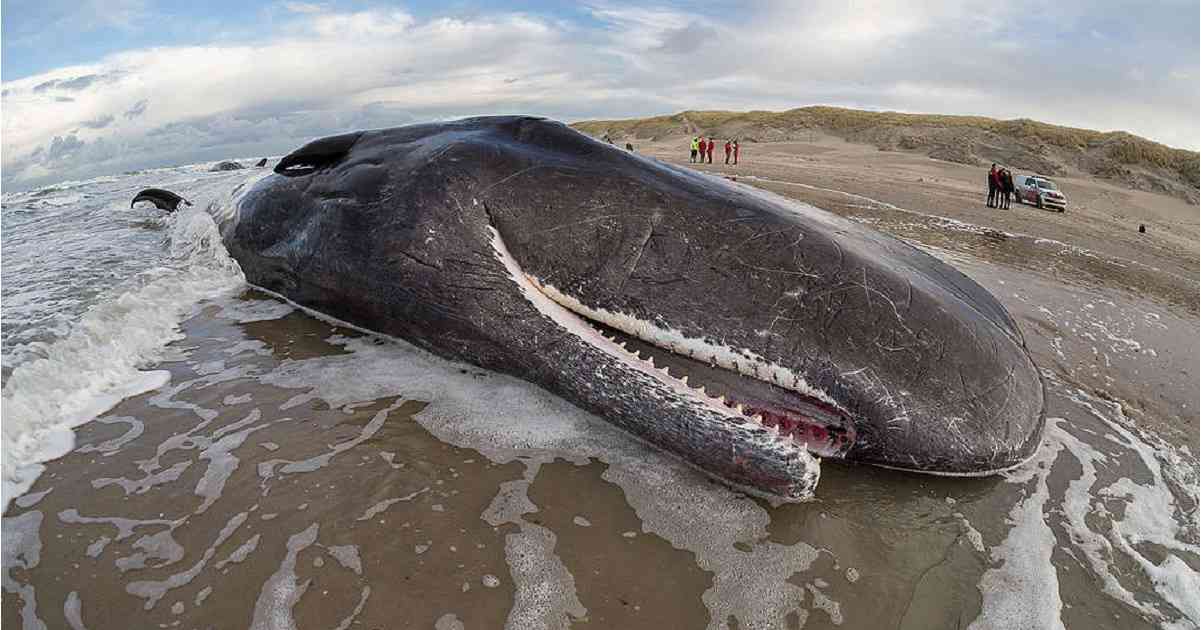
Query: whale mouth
x=739 y=385
x=810 y=422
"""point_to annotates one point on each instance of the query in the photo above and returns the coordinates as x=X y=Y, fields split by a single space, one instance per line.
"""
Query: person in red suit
x=729 y=147
x=712 y=145
x=736 y=153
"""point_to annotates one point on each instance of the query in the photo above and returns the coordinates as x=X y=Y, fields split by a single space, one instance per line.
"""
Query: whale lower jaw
x=825 y=432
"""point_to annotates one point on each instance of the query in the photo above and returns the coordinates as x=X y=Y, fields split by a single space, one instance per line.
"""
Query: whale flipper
x=162 y=199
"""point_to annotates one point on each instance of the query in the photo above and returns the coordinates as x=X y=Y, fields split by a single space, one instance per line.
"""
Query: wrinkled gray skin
x=391 y=230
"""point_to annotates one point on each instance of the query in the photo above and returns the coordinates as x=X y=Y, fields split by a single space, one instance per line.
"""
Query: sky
x=94 y=87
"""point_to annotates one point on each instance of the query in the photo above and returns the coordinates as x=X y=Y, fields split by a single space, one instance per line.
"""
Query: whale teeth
x=684 y=379
x=738 y=407
x=723 y=400
x=758 y=418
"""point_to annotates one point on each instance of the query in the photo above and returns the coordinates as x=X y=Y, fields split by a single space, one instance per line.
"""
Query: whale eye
x=316 y=155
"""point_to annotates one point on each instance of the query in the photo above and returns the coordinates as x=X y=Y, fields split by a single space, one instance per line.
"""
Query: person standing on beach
x=1006 y=187
x=729 y=147
x=992 y=185
x=712 y=144
x=735 y=153
x=695 y=144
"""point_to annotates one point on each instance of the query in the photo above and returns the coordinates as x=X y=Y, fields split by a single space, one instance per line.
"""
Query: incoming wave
x=98 y=362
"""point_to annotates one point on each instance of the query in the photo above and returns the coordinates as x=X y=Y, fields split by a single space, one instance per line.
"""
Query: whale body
x=748 y=334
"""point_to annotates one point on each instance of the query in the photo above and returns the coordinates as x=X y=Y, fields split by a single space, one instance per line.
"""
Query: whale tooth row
x=755 y=421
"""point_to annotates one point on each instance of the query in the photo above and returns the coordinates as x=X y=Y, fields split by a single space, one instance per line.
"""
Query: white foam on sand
x=99 y=362
x=267 y=468
x=22 y=549
x=241 y=553
x=1019 y=591
x=347 y=556
x=154 y=590
x=387 y=503
x=125 y=526
x=160 y=546
x=110 y=447
x=273 y=608
x=33 y=498
x=509 y=420
x=1150 y=516
x=363 y=595
x=545 y=590
x=73 y=612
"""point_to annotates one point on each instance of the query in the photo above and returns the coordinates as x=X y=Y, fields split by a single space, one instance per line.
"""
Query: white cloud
x=303 y=7
x=324 y=71
x=361 y=24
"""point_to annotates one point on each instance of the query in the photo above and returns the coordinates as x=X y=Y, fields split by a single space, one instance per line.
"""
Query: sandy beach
x=296 y=473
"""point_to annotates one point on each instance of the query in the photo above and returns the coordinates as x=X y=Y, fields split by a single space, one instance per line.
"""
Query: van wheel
x=1040 y=203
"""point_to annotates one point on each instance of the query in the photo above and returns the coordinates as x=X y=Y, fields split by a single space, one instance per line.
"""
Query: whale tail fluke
x=162 y=199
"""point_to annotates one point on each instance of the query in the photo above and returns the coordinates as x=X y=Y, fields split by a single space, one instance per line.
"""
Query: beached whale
x=741 y=331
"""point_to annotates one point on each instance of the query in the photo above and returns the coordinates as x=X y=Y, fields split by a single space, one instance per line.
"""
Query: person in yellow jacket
x=696 y=145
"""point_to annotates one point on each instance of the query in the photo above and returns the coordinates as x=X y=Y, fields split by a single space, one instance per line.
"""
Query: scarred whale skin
x=465 y=237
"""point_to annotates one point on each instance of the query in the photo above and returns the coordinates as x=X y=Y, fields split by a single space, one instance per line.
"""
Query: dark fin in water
x=317 y=154
x=162 y=199
x=262 y=162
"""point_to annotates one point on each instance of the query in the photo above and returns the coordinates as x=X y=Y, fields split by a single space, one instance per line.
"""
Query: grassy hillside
x=1028 y=144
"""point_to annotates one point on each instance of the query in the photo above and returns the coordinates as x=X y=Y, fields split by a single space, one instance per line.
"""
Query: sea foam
x=98 y=362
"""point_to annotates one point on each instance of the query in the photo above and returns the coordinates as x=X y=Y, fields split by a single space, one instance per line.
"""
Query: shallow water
x=282 y=471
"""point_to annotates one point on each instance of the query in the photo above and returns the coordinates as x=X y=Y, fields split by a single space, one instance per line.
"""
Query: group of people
x=1000 y=187
x=703 y=148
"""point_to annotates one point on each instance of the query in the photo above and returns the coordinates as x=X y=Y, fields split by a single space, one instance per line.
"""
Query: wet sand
x=294 y=473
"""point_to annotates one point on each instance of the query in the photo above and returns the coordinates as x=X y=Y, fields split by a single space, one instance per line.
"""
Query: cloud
x=137 y=109
x=74 y=84
x=99 y=123
x=361 y=24
x=63 y=146
x=304 y=7
x=320 y=71
x=687 y=39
